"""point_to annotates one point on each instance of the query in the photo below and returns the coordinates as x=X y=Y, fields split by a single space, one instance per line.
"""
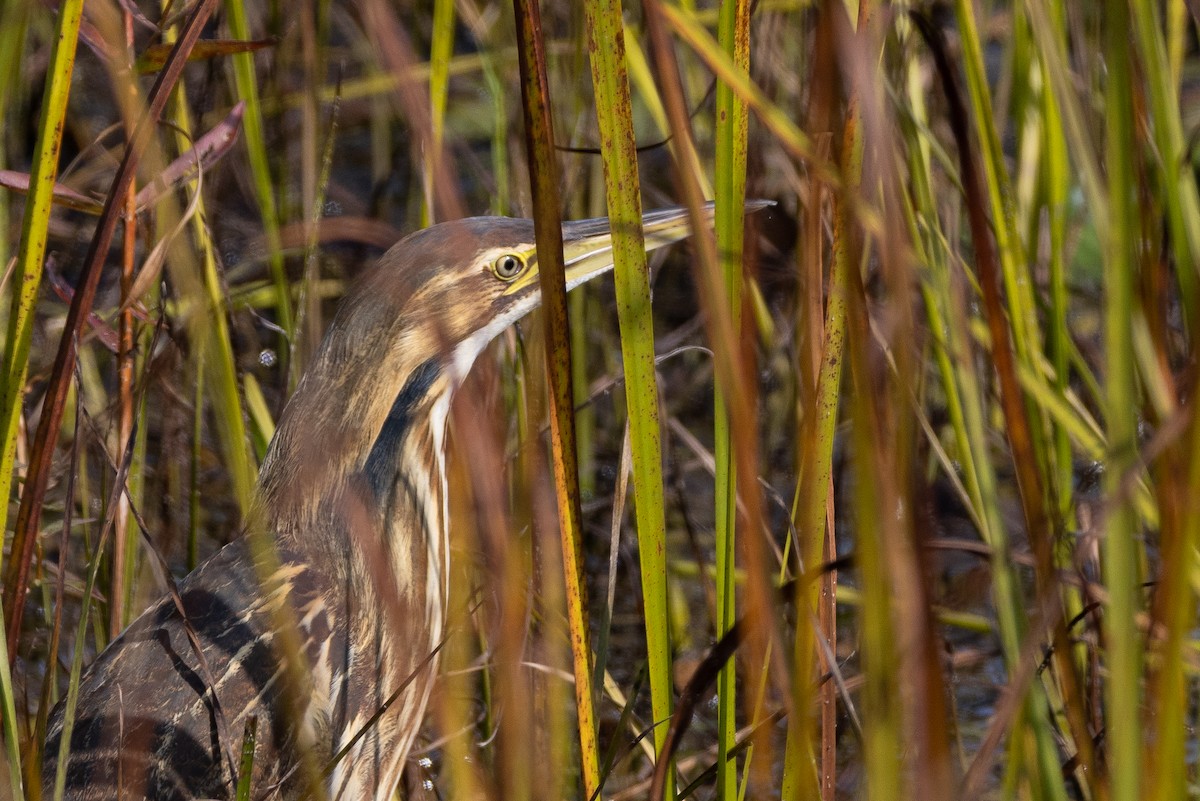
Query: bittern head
x=450 y=289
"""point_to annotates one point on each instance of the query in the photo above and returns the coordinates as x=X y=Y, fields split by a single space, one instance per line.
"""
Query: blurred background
x=949 y=473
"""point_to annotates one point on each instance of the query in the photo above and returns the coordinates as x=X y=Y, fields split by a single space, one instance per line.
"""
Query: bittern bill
x=353 y=497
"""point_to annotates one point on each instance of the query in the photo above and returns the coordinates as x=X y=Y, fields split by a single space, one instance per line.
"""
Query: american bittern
x=352 y=495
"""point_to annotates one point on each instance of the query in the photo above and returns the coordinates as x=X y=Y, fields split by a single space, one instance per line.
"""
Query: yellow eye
x=508 y=266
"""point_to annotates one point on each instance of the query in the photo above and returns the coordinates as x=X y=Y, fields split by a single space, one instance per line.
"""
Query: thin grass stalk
x=882 y=716
x=810 y=757
x=14 y=19
x=440 y=50
x=1176 y=473
x=579 y=308
x=617 y=523
x=1052 y=50
x=543 y=169
x=72 y=698
x=553 y=776
x=125 y=542
x=1017 y=282
x=1056 y=182
x=1166 y=763
x=584 y=200
x=815 y=496
x=262 y=424
x=526 y=495
x=13 y=22
x=246 y=81
x=314 y=155
x=49 y=694
x=309 y=322
x=1176 y=182
x=924 y=688
x=135 y=481
x=199 y=285
x=195 y=523
x=1177 y=38
x=732 y=125
x=491 y=61
x=1055 y=188
x=246 y=767
x=31 y=252
x=1006 y=588
x=12 y=737
x=873 y=514
x=1121 y=557
x=311 y=55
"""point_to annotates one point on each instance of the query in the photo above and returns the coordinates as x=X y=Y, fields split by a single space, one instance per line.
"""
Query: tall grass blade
x=543 y=169
x=440 y=50
x=246 y=766
x=1179 y=191
x=246 y=80
x=1121 y=557
x=12 y=736
x=31 y=253
x=732 y=124
x=610 y=82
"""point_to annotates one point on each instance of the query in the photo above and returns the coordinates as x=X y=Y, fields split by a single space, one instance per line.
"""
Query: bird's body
x=324 y=627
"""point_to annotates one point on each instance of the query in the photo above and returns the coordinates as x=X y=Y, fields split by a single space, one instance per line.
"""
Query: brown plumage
x=315 y=633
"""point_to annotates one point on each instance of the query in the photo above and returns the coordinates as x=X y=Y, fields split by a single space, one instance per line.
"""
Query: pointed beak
x=587 y=244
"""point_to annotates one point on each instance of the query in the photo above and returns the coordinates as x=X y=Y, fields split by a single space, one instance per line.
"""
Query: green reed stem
x=1121 y=556
x=31 y=252
x=610 y=82
x=732 y=124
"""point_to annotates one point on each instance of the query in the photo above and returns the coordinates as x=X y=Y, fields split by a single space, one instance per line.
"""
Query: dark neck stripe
x=381 y=465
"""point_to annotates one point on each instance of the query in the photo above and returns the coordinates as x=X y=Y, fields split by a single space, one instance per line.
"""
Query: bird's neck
x=354 y=480
x=353 y=491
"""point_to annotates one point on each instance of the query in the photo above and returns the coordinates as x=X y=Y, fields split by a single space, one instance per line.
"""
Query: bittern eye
x=508 y=266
